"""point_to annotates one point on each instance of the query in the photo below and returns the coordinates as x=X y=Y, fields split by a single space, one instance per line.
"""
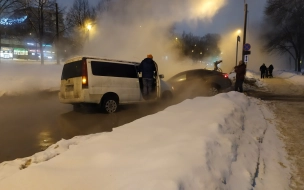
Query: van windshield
x=72 y=70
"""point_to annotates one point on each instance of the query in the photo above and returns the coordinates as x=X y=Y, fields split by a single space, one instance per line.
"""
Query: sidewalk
x=288 y=105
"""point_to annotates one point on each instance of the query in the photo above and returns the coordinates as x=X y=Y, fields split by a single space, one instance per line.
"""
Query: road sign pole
x=245 y=30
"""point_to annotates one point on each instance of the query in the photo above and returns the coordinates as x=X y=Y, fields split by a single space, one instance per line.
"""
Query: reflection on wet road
x=31 y=123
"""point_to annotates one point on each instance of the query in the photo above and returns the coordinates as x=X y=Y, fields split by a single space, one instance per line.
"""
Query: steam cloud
x=131 y=29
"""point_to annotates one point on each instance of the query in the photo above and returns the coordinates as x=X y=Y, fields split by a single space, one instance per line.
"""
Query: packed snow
x=228 y=141
x=294 y=77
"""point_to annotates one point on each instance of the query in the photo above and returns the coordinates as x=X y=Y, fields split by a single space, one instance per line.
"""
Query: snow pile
x=24 y=77
x=296 y=78
x=257 y=77
x=252 y=79
x=230 y=145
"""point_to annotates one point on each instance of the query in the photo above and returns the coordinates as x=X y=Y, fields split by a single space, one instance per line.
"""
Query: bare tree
x=80 y=13
x=198 y=47
x=103 y=6
x=285 y=29
x=41 y=16
x=7 y=6
x=78 y=17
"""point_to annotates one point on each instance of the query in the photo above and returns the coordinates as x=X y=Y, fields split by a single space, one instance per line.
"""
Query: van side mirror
x=161 y=76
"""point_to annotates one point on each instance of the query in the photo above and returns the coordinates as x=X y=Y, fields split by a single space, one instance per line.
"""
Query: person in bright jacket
x=240 y=71
x=148 y=70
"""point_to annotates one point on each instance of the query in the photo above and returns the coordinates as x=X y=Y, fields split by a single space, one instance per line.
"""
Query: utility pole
x=0 y=43
x=245 y=29
x=41 y=32
x=57 y=35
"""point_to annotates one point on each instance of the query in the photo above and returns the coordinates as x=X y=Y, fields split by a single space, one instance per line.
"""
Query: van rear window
x=100 y=68
x=72 y=70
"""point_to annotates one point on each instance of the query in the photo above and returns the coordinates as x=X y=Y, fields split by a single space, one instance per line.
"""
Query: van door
x=158 y=87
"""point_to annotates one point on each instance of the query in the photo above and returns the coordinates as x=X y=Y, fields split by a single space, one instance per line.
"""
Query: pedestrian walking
x=240 y=71
x=270 y=69
x=263 y=69
x=148 y=70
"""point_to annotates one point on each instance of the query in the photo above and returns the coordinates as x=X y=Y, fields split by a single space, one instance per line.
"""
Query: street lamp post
x=238 y=39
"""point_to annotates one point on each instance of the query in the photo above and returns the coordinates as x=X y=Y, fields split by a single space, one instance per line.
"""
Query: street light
x=238 y=39
x=89 y=27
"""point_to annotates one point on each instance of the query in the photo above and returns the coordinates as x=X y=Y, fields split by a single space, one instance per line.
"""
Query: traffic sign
x=246 y=58
x=247 y=52
x=247 y=47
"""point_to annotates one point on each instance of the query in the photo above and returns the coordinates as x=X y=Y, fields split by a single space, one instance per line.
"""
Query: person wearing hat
x=148 y=70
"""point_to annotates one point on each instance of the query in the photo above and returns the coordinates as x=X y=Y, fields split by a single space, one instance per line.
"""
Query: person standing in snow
x=240 y=71
x=270 y=69
x=263 y=69
x=148 y=70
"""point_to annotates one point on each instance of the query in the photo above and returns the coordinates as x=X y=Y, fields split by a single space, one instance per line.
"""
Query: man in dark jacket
x=240 y=71
x=270 y=69
x=263 y=69
x=148 y=70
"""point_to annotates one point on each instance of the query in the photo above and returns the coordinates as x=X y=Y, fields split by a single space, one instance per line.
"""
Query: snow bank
x=228 y=141
x=296 y=78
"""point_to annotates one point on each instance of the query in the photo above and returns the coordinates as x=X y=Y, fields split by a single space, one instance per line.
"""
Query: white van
x=107 y=83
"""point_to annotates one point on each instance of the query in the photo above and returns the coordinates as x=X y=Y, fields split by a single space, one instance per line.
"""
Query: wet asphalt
x=31 y=123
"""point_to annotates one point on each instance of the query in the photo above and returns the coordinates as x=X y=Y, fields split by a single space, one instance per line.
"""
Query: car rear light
x=84 y=74
x=225 y=75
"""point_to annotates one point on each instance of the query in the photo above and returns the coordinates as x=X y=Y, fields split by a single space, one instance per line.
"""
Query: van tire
x=109 y=104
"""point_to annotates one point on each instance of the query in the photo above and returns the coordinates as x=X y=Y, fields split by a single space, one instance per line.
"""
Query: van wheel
x=109 y=105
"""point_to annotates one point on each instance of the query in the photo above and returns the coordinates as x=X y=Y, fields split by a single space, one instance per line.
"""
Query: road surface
x=31 y=123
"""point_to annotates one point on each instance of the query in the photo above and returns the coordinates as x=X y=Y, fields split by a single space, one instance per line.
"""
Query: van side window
x=100 y=68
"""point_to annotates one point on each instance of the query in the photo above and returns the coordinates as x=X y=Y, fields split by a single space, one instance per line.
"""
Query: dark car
x=200 y=82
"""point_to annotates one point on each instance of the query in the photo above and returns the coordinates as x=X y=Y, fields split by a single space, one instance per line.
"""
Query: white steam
x=134 y=28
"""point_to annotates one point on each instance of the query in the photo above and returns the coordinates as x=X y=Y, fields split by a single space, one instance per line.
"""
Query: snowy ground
x=19 y=77
x=289 y=111
x=296 y=78
x=228 y=141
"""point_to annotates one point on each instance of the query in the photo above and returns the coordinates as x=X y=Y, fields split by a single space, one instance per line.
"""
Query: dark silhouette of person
x=263 y=69
x=216 y=65
x=148 y=70
x=270 y=69
x=240 y=71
